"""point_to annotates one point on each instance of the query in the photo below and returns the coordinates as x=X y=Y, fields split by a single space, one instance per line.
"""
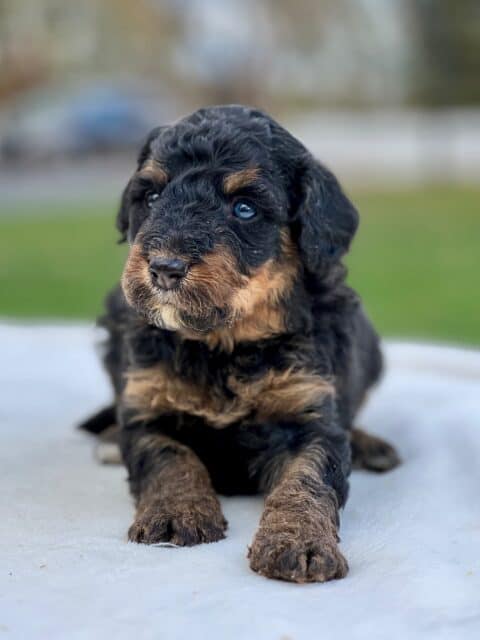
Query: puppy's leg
x=297 y=537
x=372 y=453
x=107 y=450
x=103 y=425
x=100 y=421
x=175 y=499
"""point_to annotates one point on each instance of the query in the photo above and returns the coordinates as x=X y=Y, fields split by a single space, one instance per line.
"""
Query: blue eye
x=244 y=210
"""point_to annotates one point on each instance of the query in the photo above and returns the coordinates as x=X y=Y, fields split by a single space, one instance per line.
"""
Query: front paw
x=183 y=523
x=296 y=556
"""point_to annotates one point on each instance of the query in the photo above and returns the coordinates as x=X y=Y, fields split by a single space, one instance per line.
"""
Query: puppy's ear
x=146 y=147
x=324 y=218
x=122 y=221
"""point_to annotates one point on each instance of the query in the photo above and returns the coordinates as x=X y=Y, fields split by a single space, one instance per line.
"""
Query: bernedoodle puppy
x=238 y=355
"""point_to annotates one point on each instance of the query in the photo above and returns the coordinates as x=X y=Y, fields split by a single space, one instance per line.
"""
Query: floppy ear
x=326 y=219
x=122 y=221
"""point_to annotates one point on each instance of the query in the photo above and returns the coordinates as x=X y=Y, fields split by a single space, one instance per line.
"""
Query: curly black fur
x=303 y=226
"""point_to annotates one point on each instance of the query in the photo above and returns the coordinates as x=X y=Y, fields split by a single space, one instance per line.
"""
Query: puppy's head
x=225 y=211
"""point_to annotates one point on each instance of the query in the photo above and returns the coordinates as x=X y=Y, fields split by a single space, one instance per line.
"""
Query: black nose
x=166 y=273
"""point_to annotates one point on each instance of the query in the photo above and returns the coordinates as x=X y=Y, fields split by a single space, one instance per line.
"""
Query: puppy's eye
x=244 y=210
x=150 y=198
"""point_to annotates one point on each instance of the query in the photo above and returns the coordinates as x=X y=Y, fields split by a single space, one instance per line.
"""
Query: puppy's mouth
x=210 y=294
x=175 y=293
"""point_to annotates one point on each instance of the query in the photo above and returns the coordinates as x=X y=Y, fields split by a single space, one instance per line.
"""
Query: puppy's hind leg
x=100 y=421
x=107 y=450
x=372 y=453
x=103 y=425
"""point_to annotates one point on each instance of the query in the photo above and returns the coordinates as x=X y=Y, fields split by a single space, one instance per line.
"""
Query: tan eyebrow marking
x=240 y=179
x=153 y=169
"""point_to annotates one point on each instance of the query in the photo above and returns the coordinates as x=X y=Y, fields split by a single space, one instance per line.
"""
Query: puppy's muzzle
x=167 y=273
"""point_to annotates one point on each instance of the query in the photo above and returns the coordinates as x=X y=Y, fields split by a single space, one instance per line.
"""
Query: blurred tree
x=340 y=52
x=21 y=66
x=447 y=71
x=271 y=53
x=41 y=40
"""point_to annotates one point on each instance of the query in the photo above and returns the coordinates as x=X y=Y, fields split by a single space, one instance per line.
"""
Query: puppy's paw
x=372 y=453
x=281 y=555
x=183 y=523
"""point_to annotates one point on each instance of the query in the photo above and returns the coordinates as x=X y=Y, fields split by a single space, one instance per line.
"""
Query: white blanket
x=412 y=537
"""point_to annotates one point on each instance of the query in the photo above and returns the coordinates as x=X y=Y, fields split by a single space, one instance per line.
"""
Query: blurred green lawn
x=415 y=261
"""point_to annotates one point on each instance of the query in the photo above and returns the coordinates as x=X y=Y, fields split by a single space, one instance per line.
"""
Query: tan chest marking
x=295 y=392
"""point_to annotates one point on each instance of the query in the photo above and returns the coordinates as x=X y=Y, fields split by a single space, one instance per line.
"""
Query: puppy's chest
x=228 y=392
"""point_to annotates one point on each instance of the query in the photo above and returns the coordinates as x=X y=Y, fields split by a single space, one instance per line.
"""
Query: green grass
x=56 y=264
x=415 y=261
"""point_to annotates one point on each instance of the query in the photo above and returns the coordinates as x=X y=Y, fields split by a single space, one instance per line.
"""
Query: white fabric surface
x=412 y=537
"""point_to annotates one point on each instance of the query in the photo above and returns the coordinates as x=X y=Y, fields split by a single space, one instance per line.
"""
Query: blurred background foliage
x=385 y=93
